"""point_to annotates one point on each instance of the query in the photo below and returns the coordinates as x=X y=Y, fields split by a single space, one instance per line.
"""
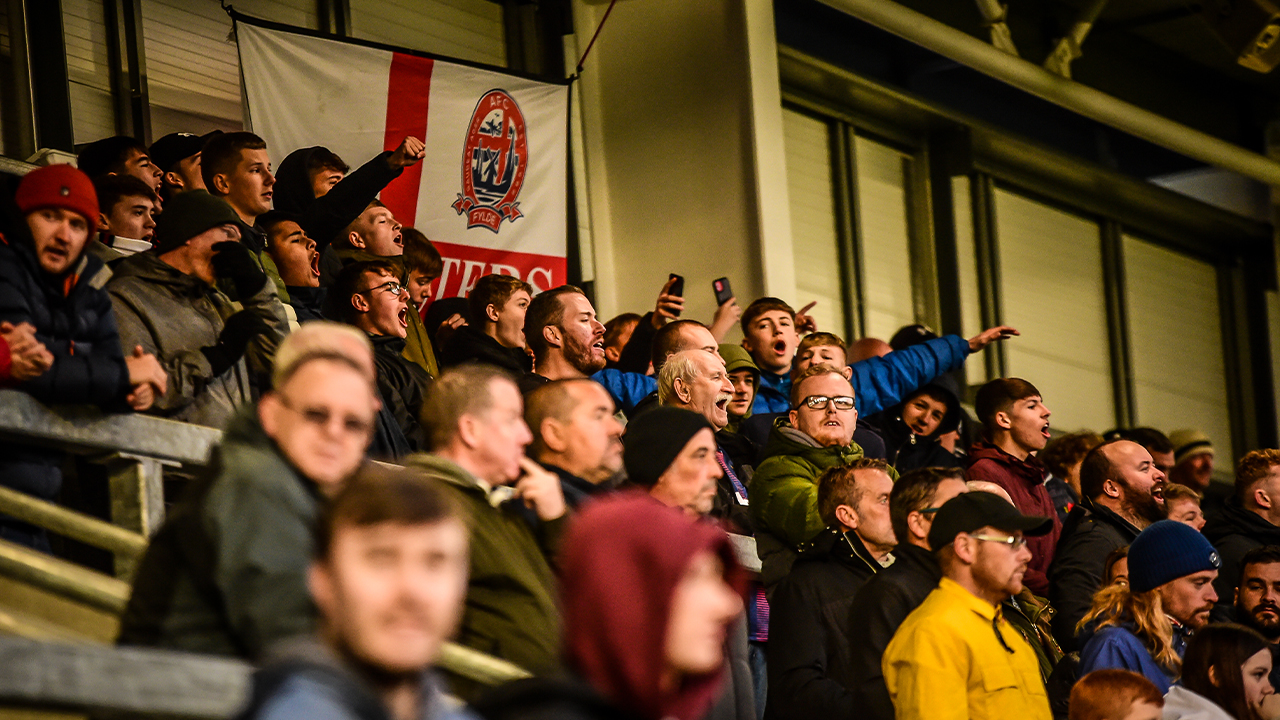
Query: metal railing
x=134 y=682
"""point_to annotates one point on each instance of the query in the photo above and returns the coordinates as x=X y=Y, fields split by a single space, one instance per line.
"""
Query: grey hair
x=678 y=365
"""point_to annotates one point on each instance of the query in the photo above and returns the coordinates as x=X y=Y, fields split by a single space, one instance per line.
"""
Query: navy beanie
x=1168 y=550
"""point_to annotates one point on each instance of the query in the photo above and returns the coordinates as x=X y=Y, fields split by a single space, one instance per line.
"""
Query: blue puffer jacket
x=879 y=382
x=73 y=318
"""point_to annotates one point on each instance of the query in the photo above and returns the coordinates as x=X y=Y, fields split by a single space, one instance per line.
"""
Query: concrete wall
x=682 y=132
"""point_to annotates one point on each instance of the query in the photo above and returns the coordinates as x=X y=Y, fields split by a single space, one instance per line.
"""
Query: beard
x=1269 y=628
x=581 y=356
x=1141 y=504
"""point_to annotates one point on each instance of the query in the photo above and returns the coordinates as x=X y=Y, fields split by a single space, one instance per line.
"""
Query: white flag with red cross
x=490 y=192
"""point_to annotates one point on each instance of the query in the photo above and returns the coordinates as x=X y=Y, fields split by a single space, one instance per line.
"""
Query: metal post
x=1068 y=48
x=983 y=200
x=844 y=186
x=996 y=17
x=20 y=133
x=47 y=55
x=1113 y=275
x=137 y=499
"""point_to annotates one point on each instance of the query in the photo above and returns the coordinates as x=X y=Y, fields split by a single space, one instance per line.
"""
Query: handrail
x=86 y=429
x=63 y=578
x=72 y=524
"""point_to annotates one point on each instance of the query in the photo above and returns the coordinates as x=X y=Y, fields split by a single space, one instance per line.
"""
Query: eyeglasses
x=391 y=286
x=1017 y=543
x=321 y=417
x=819 y=402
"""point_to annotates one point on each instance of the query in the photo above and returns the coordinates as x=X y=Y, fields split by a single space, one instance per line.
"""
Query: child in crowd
x=126 y=217
x=1224 y=677
x=1181 y=503
x=1115 y=695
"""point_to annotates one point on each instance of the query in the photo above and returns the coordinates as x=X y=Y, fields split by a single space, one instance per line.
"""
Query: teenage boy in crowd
x=177 y=157
x=498 y=305
x=375 y=234
x=119 y=155
x=168 y=303
x=369 y=296
x=316 y=185
x=771 y=335
x=1015 y=425
x=126 y=218
x=298 y=262
x=391 y=544
x=51 y=293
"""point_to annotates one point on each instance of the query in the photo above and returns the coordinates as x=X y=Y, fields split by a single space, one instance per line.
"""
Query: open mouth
x=598 y=347
x=723 y=402
x=833 y=423
x=1045 y=430
x=315 y=264
x=403 y=316
x=780 y=346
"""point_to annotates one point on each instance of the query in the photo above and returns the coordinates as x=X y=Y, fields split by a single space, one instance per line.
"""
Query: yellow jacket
x=946 y=663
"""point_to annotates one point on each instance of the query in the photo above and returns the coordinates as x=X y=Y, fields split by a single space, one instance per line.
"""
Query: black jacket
x=739 y=455
x=470 y=344
x=542 y=698
x=402 y=385
x=1234 y=531
x=638 y=352
x=907 y=451
x=324 y=217
x=72 y=316
x=1090 y=534
x=810 y=651
x=307 y=302
x=877 y=611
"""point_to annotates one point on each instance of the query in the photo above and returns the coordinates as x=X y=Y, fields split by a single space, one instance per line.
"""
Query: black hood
x=292 y=192
x=950 y=421
x=1235 y=519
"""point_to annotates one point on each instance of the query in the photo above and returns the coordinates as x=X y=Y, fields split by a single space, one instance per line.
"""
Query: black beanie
x=655 y=438
x=190 y=213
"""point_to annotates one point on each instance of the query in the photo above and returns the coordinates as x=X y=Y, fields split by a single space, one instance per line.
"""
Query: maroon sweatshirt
x=1024 y=481
x=620 y=562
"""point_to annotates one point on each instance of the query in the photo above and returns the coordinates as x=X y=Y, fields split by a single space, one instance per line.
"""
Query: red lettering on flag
x=465 y=264
x=408 y=99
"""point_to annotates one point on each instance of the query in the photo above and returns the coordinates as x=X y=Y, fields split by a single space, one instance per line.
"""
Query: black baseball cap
x=168 y=150
x=972 y=510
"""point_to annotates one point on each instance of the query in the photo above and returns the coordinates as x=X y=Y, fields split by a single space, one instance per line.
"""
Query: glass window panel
x=1175 y=337
x=814 y=243
x=465 y=29
x=1052 y=290
x=885 y=239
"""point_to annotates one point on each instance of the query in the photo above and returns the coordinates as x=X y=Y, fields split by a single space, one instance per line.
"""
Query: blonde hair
x=1115 y=605
x=321 y=338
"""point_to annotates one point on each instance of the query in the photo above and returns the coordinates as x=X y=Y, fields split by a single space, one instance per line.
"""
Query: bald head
x=988 y=487
x=681 y=335
x=867 y=348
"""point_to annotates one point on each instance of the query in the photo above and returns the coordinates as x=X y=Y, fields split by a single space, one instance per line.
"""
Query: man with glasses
x=957 y=650
x=814 y=437
x=226 y=574
x=369 y=296
x=889 y=597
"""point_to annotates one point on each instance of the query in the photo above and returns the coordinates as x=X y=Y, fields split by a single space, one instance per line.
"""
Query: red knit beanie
x=58 y=186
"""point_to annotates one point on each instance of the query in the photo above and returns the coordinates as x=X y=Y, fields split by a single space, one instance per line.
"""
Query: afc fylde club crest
x=494 y=161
